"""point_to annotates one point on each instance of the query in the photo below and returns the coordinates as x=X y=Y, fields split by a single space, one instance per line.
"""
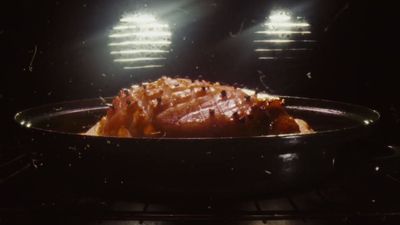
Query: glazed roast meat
x=174 y=107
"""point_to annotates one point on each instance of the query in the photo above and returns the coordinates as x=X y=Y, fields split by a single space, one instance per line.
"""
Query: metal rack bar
x=199 y=216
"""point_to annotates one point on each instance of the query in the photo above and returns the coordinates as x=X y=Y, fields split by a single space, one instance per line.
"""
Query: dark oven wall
x=64 y=50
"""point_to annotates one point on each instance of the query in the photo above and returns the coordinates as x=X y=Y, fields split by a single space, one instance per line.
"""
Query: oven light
x=279 y=16
x=148 y=25
x=128 y=43
x=142 y=34
x=275 y=24
x=283 y=32
x=142 y=67
x=139 y=18
x=138 y=59
x=127 y=52
x=140 y=41
x=283 y=36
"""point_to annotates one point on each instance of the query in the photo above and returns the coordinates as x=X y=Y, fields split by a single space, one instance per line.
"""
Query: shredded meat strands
x=185 y=108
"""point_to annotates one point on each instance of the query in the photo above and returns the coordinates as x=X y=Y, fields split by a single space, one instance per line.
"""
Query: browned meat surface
x=184 y=108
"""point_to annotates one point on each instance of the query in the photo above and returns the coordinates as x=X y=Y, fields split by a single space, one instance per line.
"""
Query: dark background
x=212 y=39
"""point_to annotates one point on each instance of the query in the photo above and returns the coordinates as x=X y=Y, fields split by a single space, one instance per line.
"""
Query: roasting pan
x=198 y=165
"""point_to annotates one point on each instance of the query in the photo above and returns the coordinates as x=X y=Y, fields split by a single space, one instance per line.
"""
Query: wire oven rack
x=363 y=195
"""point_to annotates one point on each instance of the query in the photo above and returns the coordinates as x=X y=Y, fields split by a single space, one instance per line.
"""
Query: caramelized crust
x=184 y=108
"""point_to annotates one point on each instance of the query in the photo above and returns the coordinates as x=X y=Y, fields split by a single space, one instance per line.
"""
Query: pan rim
x=375 y=117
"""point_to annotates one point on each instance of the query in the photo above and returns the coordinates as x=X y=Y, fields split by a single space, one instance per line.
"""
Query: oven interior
x=54 y=51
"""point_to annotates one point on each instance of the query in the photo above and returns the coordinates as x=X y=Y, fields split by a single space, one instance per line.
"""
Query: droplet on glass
x=73 y=148
x=267 y=172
